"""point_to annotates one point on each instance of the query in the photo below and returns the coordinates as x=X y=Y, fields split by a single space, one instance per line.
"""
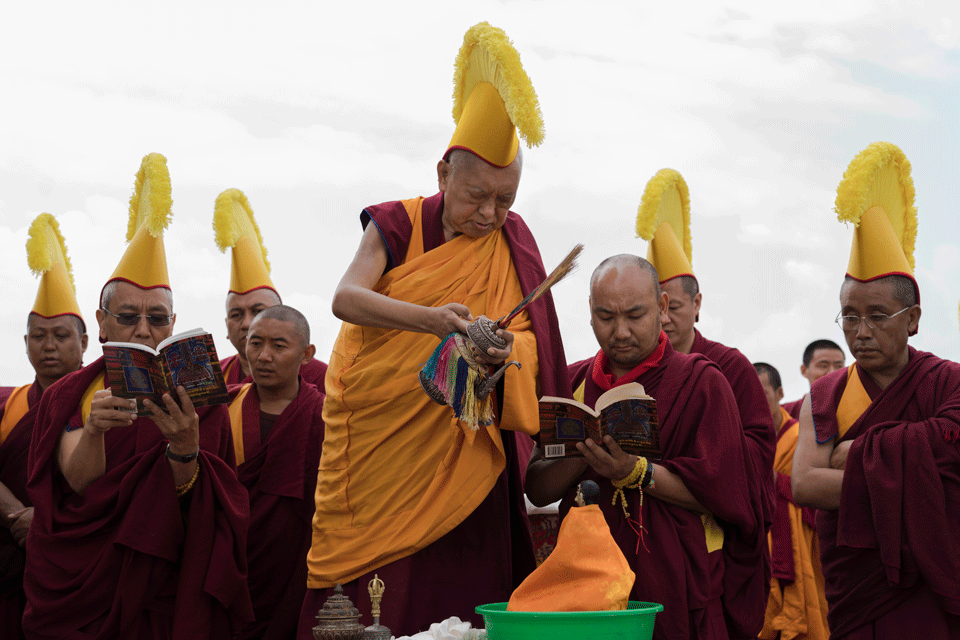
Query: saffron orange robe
x=313 y=372
x=17 y=415
x=797 y=607
x=280 y=474
x=128 y=559
x=750 y=571
x=891 y=561
x=399 y=474
x=703 y=443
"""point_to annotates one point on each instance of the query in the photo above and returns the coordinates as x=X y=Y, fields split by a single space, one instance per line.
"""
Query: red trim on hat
x=139 y=286
x=680 y=275
x=916 y=286
x=446 y=154
x=68 y=313
x=262 y=286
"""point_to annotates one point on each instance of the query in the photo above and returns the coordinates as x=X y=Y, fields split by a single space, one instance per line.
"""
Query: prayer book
x=188 y=359
x=626 y=413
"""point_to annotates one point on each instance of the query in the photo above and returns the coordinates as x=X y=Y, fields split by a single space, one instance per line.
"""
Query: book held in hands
x=626 y=413
x=188 y=360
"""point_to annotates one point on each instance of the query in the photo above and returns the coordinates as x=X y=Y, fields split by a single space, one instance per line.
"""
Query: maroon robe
x=488 y=555
x=13 y=475
x=703 y=443
x=891 y=561
x=281 y=476
x=314 y=372
x=128 y=559
x=793 y=408
x=745 y=617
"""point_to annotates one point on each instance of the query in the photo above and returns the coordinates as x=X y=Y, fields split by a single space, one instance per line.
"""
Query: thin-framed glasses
x=874 y=320
x=131 y=319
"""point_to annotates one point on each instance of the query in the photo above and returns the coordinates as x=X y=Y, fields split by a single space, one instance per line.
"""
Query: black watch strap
x=190 y=457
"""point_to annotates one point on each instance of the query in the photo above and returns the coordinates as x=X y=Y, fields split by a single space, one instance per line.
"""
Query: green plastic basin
x=633 y=623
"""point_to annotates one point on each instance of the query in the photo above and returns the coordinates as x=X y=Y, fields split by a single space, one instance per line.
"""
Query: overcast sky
x=317 y=109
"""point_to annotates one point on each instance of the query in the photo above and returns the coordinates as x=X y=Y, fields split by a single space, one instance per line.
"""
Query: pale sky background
x=317 y=109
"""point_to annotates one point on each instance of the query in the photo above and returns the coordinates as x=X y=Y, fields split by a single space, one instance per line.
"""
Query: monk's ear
x=83 y=344
x=101 y=318
x=779 y=395
x=308 y=353
x=443 y=174
x=913 y=322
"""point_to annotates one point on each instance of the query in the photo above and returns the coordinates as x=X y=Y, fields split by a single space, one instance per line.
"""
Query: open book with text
x=626 y=413
x=187 y=359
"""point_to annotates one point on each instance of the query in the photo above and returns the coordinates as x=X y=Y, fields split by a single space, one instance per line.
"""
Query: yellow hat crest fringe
x=151 y=202
x=498 y=63
x=658 y=205
x=227 y=228
x=879 y=176
x=236 y=228
x=144 y=262
x=41 y=253
x=663 y=219
x=47 y=257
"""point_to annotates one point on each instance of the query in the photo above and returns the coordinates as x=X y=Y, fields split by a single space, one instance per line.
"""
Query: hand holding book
x=187 y=360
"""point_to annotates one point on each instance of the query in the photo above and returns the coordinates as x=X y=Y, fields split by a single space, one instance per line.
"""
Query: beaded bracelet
x=184 y=488
x=632 y=481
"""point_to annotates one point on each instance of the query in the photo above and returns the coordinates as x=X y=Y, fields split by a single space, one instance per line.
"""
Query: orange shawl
x=399 y=471
x=797 y=609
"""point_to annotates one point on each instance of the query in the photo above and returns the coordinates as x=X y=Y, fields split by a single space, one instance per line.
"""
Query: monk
x=750 y=572
x=435 y=511
x=277 y=432
x=55 y=348
x=691 y=509
x=877 y=455
x=796 y=607
x=242 y=308
x=819 y=358
x=140 y=523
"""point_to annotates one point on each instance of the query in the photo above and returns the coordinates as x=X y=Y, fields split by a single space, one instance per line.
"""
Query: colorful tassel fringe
x=453 y=375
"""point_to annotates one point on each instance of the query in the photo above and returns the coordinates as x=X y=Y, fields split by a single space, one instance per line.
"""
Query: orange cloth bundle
x=585 y=572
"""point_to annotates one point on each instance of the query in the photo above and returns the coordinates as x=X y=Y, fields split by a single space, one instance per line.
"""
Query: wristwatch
x=190 y=457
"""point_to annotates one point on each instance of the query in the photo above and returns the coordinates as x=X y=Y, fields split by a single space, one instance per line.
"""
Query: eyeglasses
x=132 y=319
x=873 y=321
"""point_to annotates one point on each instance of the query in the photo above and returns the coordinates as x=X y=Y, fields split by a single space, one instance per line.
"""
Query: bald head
x=283 y=313
x=626 y=262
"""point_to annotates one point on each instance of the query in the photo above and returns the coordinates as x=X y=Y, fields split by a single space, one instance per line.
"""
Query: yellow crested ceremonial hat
x=235 y=228
x=663 y=219
x=47 y=258
x=876 y=195
x=493 y=98
x=144 y=263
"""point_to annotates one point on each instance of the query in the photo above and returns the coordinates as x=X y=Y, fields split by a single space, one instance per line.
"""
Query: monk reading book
x=625 y=413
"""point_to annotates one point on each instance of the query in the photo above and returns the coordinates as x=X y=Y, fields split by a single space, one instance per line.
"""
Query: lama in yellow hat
x=663 y=219
x=235 y=227
x=47 y=258
x=493 y=98
x=876 y=195
x=144 y=263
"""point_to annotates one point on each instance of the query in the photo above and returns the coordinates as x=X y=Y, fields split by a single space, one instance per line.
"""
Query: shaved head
x=283 y=313
x=626 y=261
